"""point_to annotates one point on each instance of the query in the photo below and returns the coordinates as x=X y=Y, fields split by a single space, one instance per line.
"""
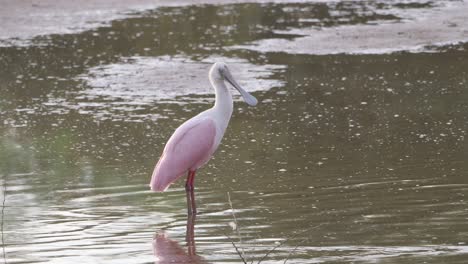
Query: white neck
x=223 y=104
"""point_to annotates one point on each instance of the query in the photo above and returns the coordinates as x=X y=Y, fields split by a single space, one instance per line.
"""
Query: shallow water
x=349 y=158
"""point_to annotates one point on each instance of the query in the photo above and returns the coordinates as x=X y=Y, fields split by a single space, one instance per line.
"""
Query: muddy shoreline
x=442 y=23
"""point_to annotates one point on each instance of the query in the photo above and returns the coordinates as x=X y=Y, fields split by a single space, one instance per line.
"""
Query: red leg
x=189 y=184
x=192 y=182
x=189 y=187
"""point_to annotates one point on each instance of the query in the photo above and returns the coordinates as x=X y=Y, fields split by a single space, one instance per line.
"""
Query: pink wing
x=188 y=149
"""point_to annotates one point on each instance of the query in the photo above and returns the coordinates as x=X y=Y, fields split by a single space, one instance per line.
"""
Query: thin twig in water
x=292 y=251
x=284 y=241
x=242 y=254
x=237 y=228
x=3 y=213
x=253 y=250
x=237 y=249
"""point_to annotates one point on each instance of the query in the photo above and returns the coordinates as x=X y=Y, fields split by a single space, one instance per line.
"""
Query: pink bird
x=194 y=142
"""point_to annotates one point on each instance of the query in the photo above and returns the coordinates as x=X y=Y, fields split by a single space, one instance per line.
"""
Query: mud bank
x=418 y=31
x=420 y=25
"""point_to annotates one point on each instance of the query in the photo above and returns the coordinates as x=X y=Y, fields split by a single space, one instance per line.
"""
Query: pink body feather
x=189 y=148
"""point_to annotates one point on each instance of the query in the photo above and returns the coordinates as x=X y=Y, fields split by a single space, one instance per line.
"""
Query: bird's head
x=220 y=72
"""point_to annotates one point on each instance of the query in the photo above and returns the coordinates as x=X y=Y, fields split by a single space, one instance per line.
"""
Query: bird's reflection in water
x=167 y=250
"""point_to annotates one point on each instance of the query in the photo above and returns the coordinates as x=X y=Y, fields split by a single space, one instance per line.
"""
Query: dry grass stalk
x=240 y=250
x=242 y=253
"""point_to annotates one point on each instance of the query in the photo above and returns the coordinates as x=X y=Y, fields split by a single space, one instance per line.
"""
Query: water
x=355 y=157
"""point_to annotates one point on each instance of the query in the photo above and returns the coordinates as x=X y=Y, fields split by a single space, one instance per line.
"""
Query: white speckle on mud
x=118 y=91
x=144 y=80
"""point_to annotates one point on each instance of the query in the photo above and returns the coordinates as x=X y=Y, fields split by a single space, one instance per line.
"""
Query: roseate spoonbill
x=194 y=142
